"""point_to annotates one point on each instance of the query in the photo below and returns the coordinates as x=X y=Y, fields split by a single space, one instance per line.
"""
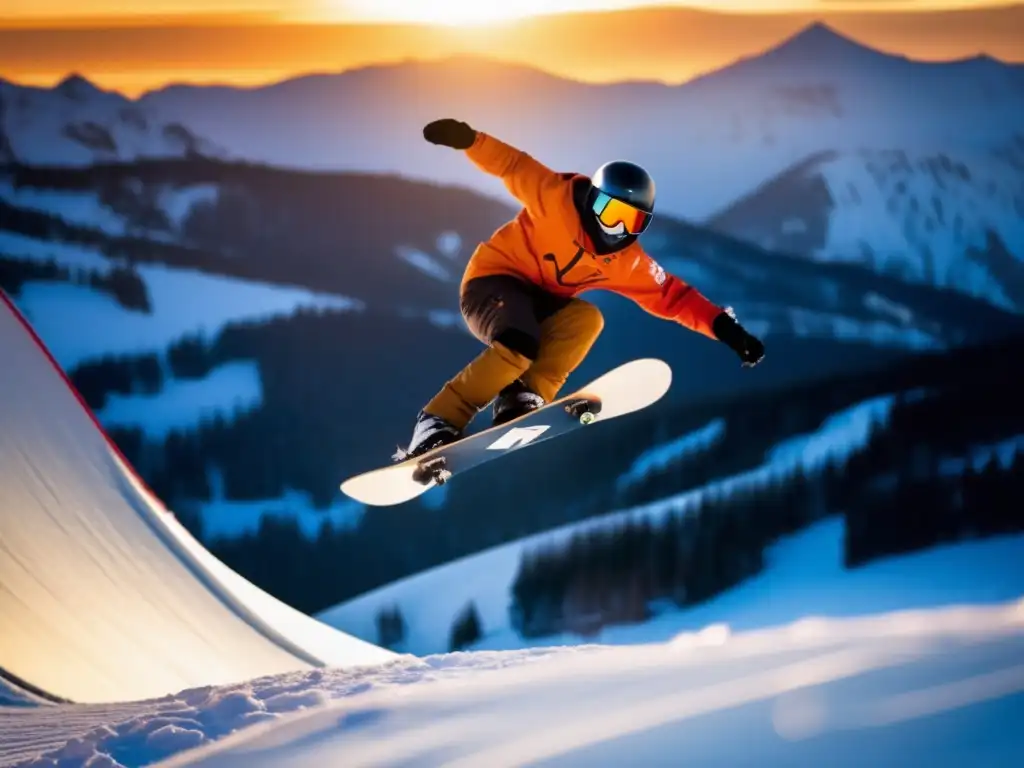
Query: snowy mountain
x=708 y=141
x=933 y=151
x=950 y=220
x=76 y=123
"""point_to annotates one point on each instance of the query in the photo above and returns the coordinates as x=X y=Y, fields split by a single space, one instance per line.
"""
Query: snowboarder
x=519 y=292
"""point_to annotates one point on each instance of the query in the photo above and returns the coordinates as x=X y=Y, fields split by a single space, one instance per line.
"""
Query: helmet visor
x=613 y=212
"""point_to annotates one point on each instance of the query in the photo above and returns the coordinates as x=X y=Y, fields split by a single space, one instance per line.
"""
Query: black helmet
x=622 y=198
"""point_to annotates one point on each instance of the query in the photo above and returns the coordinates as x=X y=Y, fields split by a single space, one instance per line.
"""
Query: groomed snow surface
x=938 y=688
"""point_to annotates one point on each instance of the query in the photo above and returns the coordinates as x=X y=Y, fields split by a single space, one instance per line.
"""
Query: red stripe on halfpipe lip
x=81 y=400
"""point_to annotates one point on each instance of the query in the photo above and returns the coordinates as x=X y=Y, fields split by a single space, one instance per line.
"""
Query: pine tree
x=390 y=626
x=466 y=629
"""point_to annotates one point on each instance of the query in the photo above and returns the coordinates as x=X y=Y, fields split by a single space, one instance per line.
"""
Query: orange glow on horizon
x=60 y=13
x=670 y=45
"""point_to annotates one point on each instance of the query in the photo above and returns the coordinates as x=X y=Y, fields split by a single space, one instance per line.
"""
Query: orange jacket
x=546 y=245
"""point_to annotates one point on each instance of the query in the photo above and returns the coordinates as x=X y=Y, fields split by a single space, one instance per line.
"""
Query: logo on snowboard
x=517 y=436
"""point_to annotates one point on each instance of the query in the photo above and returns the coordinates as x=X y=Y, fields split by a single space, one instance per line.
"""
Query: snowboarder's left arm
x=537 y=187
x=662 y=294
x=530 y=181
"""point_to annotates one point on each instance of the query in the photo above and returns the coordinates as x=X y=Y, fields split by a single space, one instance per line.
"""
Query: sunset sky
x=134 y=46
x=442 y=11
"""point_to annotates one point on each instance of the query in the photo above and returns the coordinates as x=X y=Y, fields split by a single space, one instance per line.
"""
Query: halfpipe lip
x=154 y=509
x=9 y=677
x=20 y=317
x=31 y=691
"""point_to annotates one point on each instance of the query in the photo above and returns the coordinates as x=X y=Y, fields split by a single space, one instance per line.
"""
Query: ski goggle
x=613 y=212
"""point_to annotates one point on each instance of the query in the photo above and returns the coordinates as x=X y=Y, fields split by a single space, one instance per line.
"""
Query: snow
x=425 y=263
x=885 y=306
x=63 y=254
x=76 y=123
x=182 y=404
x=106 y=597
x=79 y=323
x=178 y=202
x=81 y=208
x=661 y=456
x=916 y=214
x=839 y=435
x=449 y=244
x=226 y=518
x=882 y=332
x=84 y=208
x=944 y=684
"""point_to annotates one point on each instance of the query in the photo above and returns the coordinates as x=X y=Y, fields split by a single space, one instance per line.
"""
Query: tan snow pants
x=530 y=335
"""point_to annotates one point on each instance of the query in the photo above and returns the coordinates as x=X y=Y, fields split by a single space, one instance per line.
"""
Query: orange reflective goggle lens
x=613 y=212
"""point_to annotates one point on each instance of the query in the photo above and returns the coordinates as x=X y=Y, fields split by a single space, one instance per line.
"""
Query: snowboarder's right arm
x=527 y=179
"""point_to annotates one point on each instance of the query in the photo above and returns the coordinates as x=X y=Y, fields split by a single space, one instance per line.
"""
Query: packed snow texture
x=106 y=597
x=946 y=684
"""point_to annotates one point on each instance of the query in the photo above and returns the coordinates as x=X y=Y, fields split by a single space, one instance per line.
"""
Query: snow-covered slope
x=105 y=596
x=941 y=683
x=952 y=220
x=76 y=123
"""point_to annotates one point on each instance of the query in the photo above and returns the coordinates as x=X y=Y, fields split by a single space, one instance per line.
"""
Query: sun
x=455 y=13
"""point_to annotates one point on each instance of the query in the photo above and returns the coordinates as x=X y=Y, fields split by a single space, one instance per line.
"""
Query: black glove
x=449 y=133
x=729 y=332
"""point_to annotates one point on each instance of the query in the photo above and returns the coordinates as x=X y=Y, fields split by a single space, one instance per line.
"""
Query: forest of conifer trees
x=903 y=492
x=120 y=282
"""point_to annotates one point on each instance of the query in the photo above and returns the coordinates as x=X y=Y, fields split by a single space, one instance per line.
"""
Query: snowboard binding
x=432 y=469
x=584 y=409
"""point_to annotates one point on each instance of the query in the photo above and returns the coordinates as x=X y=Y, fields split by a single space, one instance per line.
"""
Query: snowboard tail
x=622 y=390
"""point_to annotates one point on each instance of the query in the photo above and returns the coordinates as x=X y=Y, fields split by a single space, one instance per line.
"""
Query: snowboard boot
x=514 y=401
x=430 y=432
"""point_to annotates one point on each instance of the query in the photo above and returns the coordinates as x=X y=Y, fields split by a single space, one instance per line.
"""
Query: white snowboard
x=630 y=387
